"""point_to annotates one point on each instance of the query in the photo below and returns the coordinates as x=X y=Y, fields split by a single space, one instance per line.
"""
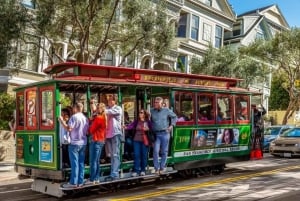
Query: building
x=196 y=23
x=262 y=23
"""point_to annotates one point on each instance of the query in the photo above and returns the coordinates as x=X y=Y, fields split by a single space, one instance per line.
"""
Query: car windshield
x=293 y=132
x=272 y=131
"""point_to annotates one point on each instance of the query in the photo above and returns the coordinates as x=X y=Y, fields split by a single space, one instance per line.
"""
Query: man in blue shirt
x=163 y=119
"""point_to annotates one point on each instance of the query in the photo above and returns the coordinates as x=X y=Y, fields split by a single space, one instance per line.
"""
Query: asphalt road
x=269 y=179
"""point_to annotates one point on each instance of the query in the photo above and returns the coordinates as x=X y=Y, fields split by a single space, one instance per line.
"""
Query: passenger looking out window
x=241 y=108
x=205 y=108
x=224 y=108
x=184 y=106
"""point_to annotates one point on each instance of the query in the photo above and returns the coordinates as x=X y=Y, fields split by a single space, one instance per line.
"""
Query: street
x=267 y=179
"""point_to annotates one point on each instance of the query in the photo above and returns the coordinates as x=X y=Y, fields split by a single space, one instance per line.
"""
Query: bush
x=7 y=107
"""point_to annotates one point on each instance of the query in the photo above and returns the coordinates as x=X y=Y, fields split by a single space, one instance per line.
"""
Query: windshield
x=293 y=132
x=272 y=131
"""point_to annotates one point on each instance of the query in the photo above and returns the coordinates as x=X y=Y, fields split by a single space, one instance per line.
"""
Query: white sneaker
x=88 y=182
x=142 y=174
x=163 y=171
x=134 y=174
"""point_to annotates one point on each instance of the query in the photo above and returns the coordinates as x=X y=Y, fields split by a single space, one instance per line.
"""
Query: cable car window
x=184 y=106
x=224 y=108
x=47 y=109
x=242 y=108
x=206 y=113
x=20 y=110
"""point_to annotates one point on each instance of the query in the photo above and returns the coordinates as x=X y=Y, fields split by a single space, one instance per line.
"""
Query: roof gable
x=272 y=13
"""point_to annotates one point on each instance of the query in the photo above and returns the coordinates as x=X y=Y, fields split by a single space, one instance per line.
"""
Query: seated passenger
x=203 y=116
x=220 y=116
x=182 y=117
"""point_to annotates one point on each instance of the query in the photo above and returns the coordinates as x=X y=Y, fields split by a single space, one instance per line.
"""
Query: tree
x=283 y=51
x=92 y=27
x=7 y=106
x=12 y=24
x=227 y=62
x=279 y=97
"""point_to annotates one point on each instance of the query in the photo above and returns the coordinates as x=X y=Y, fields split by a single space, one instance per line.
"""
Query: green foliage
x=227 y=62
x=279 y=97
x=13 y=20
x=7 y=107
x=90 y=27
x=283 y=52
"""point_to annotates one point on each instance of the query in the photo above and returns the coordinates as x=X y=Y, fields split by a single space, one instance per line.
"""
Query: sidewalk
x=7 y=172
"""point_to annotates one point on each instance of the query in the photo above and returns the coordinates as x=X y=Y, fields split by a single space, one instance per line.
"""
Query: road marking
x=205 y=184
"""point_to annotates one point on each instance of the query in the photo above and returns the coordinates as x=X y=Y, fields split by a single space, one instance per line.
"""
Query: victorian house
x=261 y=23
x=197 y=23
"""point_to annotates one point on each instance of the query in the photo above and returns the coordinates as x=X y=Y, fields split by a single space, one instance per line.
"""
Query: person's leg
x=144 y=157
x=115 y=156
x=165 y=138
x=92 y=149
x=98 y=150
x=137 y=156
x=81 y=164
x=156 y=152
x=73 y=155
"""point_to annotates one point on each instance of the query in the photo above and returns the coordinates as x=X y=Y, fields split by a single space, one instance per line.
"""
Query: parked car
x=287 y=144
x=272 y=132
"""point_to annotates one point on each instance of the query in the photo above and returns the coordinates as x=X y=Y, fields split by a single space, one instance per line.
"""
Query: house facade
x=197 y=24
x=261 y=23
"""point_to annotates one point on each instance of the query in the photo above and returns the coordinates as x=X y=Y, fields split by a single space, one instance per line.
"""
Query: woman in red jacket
x=97 y=132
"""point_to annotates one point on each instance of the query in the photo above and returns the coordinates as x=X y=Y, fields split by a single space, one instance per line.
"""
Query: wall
x=7 y=146
x=278 y=117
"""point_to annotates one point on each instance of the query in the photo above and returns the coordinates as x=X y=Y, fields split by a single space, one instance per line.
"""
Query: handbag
x=145 y=139
x=151 y=136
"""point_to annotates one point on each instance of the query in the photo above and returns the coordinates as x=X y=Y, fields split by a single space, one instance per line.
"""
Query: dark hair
x=230 y=130
x=67 y=111
x=147 y=115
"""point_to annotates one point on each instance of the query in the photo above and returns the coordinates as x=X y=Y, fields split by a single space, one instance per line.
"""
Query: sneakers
x=156 y=172
x=96 y=182
x=88 y=182
x=68 y=185
x=163 y=171
x=142 y=174
x=134 y=174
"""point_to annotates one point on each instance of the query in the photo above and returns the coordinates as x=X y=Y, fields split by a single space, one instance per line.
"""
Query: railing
x=177 y=1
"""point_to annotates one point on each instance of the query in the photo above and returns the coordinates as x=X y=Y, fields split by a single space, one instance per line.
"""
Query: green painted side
x=28 y=143
x=183 y=139
x=173 y=160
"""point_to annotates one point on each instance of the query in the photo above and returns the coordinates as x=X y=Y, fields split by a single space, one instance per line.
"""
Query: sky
x=290 y=9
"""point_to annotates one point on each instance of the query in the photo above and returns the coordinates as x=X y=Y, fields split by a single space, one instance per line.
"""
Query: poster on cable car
x=45 y=145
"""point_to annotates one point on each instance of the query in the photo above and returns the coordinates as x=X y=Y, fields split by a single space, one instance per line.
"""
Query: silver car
x=287 y=144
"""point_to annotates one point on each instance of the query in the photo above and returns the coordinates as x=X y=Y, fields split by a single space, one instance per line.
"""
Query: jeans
x=161 y=142
x=128 y=146
x=95 y=153
x=140 y=156
x=114 y=147
x=77 y=155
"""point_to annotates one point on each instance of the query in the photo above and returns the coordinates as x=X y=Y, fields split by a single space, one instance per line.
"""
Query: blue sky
x=289 y=8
